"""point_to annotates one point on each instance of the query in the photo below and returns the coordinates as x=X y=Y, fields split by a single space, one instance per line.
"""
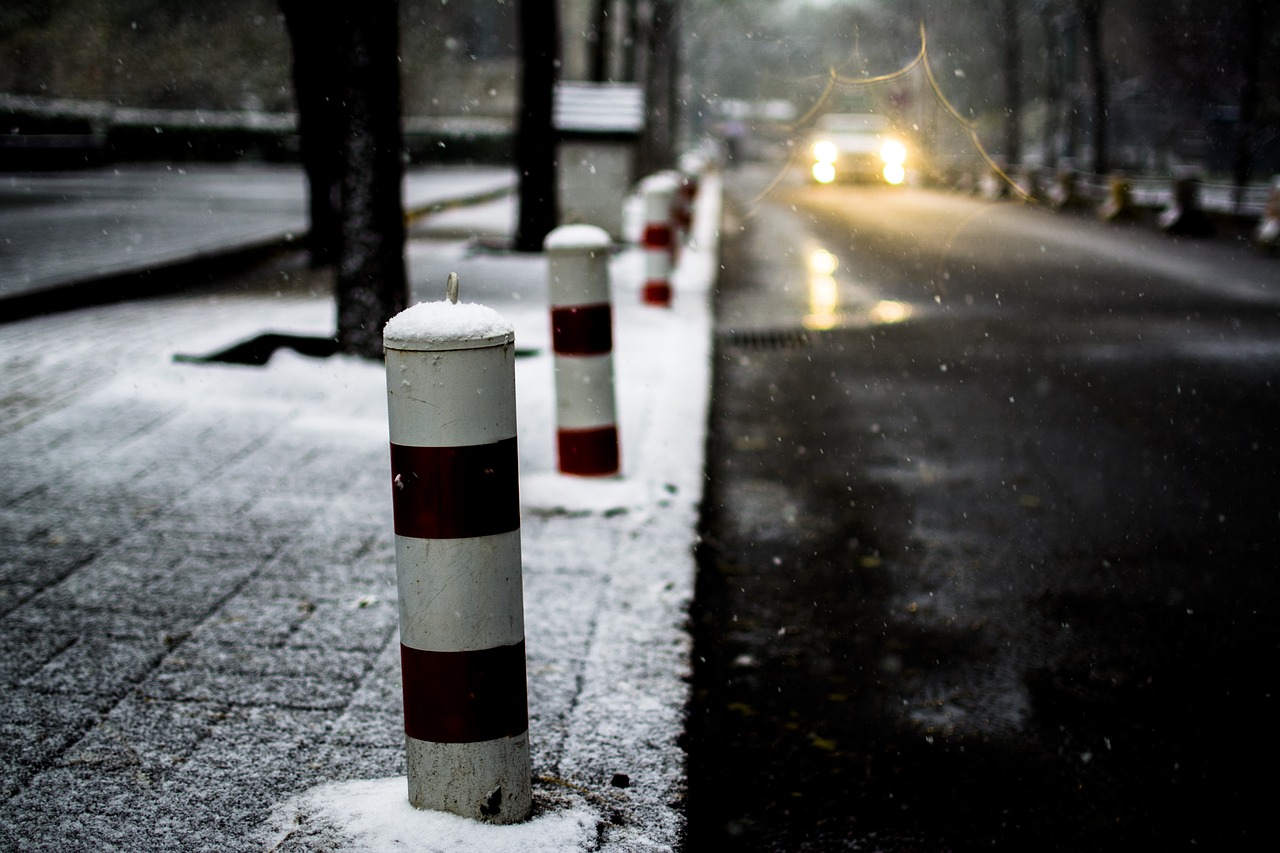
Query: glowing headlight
x=825 y=152
x=824 y=173
x=893 y=152
x=822 y=262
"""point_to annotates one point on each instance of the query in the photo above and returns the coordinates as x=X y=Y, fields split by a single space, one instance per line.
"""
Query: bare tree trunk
x=1251 y=62
x=1091 y=24
x=347 y=81
x=660 y=88
x=1011 y=48
x=315 y=85
x=674 y=70
x=372 y=285
x=1073 y=95
x=600 y=42
x=1053 y=87
x=632 y=44
x=535 y=135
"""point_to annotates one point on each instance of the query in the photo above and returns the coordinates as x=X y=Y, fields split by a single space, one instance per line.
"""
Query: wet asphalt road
x=990 y=538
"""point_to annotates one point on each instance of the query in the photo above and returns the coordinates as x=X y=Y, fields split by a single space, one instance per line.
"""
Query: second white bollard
x=658 y=192
x=582 y=340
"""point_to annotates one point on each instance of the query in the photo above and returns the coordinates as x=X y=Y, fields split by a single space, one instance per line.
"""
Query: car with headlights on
x=856 y=147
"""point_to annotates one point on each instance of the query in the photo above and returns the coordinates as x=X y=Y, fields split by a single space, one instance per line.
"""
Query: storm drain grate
x=766 y=339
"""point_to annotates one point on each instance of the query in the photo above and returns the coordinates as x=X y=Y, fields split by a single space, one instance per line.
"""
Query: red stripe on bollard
x=582 y=329
x=464 y=697
x=589 y=452
x=657 y=236
x=456 y=492
x=657 y=292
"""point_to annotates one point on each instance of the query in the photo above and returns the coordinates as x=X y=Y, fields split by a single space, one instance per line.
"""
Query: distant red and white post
x=456 y=503
x=658 y=193
x=692 y=165
x=582 y=341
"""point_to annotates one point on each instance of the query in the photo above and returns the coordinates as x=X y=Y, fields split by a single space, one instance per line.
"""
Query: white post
x=582 y=341
x=456 y=500
x=658 y=192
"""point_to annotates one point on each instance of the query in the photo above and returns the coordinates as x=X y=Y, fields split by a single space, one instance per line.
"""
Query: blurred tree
x=661 y=85
x=1011 y=50
x=1251 y=84
x=535 y=152
x=1056 y=41
x=316 y=86
x=1091 y=32
x=599 y=37
x=350 y=112
x=1218 y=65
x=630 y=40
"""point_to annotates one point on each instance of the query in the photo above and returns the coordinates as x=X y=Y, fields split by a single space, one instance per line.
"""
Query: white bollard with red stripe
x=582 y=340
x=456 y=501
x=658 y=192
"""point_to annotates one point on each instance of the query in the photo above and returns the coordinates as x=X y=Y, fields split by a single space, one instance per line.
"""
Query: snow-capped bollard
x=582 y=340
x=692 y=165
x=456 y=504
x=658 y=192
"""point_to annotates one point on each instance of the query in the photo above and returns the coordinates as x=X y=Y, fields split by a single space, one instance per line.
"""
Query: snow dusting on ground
x=210 y=660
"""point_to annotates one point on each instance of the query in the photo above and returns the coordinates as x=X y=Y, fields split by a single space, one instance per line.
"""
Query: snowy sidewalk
x=197 y=572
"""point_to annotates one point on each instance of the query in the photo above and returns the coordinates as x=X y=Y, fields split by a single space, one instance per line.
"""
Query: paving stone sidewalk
x=197 y=597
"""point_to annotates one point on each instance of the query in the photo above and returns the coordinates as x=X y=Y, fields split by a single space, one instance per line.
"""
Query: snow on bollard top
x=576 y=237
x=693 y=162
x=447 y=325
x=661 y=182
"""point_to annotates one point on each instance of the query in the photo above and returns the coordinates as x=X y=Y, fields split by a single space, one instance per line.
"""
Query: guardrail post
x=991 y=183
x=1267 y=234
x=456 y=502
x=582 y=342
x=1118 y=204
x=658 y=192
x=1027 y=180
x=1064 y=193
x=1183 y=216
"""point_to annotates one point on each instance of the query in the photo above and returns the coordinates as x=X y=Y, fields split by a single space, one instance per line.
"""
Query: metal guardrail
x=1178 y=204
x=1212 y=196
